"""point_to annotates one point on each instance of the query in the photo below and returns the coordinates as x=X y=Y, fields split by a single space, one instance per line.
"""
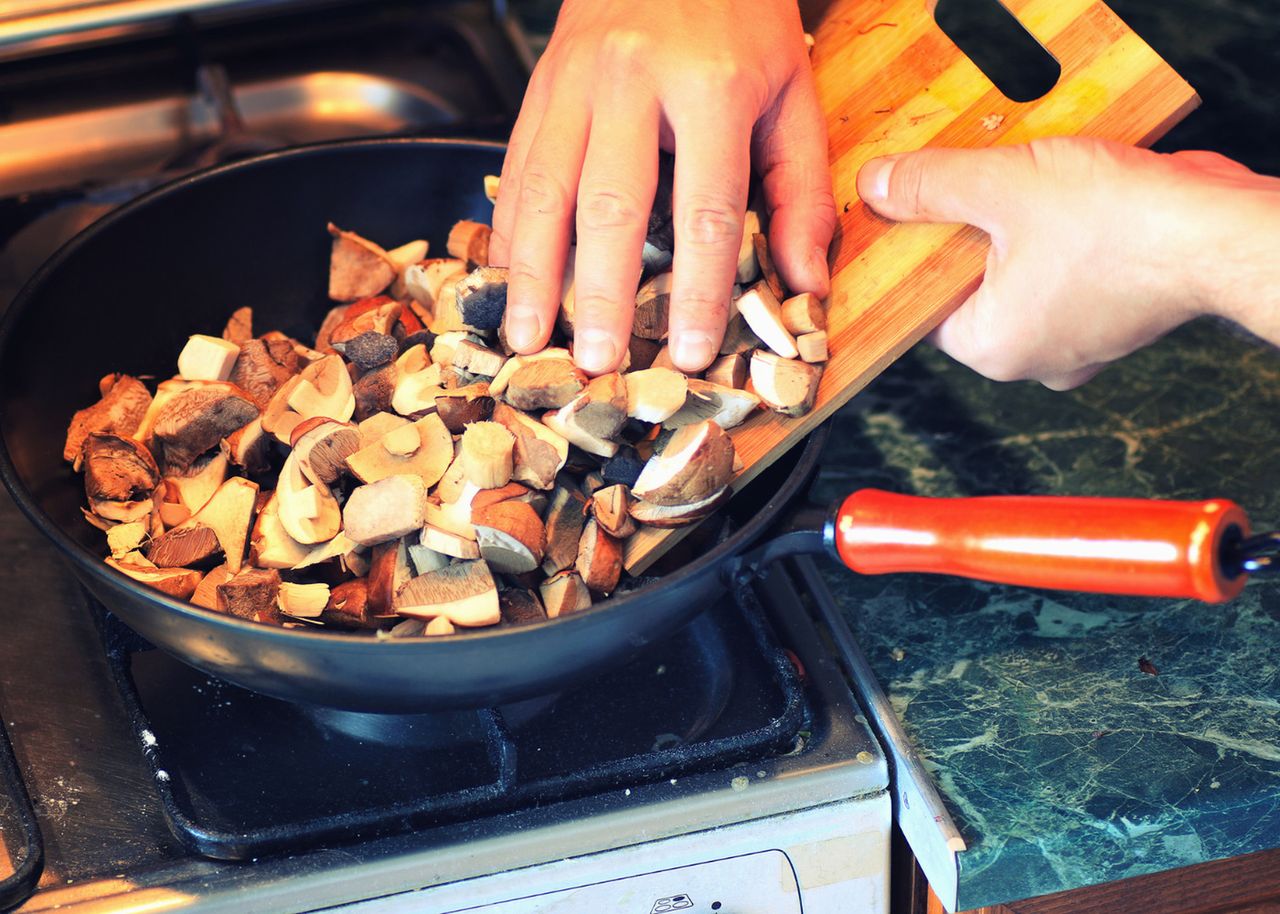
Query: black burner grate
x=19 y=833
x=242 y=775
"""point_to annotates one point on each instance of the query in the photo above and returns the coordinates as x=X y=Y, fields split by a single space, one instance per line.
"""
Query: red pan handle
x=1105 y=545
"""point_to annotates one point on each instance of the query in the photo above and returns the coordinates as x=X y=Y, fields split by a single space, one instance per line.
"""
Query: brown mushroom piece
x=251 y=595
x=358 y=268
x=564 y=521
x=481 y=297
x=118 y=469
x=787 y=386
x=696 y=462
x=180 y=583
x=610 y=506
x=564 y=593
x=599 y=558
x=123 y=405
x=544 y=384
x=510 y=535
x=464 y=593
x=664 y=516
x=726 y=406
x=195 y=421
x=539 y=453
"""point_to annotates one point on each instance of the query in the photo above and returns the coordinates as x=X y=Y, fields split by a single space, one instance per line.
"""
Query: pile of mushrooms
x=406 y=474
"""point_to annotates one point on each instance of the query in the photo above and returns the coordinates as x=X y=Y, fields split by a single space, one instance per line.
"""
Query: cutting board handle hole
x=999 y=45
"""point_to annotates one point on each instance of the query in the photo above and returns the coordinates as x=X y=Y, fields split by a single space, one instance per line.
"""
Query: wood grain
x=889 y=81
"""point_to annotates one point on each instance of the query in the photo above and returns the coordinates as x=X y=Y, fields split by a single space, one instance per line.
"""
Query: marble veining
x=1063 y=763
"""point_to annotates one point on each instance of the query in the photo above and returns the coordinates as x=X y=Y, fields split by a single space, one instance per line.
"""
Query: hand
x=1097 y=249
x=717 y=80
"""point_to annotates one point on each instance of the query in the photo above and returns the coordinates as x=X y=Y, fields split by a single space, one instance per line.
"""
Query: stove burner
x=241 y=775
x=20 y=839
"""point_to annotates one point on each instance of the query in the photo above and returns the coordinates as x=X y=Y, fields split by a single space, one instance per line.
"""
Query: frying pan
x=125 y=294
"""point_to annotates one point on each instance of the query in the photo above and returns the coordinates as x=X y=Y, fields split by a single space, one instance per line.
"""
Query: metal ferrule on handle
x=1105 y=545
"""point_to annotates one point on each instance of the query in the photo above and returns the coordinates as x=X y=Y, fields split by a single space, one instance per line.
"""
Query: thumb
x=977 y=186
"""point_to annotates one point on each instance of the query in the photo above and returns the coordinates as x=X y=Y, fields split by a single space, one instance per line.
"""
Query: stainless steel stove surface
x=712 y=773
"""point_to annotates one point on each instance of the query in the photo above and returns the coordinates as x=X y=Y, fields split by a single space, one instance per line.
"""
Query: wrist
x=1237 y=271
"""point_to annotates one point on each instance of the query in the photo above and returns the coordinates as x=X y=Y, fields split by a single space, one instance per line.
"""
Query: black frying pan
x=125 y=294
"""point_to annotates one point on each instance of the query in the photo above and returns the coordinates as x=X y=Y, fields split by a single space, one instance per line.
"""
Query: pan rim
x=95 y=567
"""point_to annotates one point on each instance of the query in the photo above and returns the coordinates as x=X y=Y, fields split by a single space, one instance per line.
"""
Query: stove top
x=239 y=774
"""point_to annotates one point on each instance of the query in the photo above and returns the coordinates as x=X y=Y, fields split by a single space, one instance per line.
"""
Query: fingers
x=543 y=215
x=713 y=168
x=615 y=195
x=791 y=143
x=977 y=186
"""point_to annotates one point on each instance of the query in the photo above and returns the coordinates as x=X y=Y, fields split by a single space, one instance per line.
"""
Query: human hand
x=1097 y=249
x=720 y=81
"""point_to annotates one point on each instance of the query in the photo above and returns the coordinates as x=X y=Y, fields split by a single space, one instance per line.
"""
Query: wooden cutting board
x=889 y=80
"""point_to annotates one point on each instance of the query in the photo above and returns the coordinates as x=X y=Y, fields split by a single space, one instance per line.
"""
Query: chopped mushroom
x=123 y=405
x=464 y=593
x=696 y=462
x=787 y=386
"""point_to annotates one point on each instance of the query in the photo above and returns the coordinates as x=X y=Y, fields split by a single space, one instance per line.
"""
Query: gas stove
x=725 y=769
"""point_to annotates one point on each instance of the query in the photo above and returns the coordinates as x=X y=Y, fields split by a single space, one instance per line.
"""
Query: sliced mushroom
x=389 y=571
x=464 y=593
x=759 y=307
x=564 y=423
x=728 y=371
x=195 y=421
x=469 y=241
x=564 y=521
x=564 y=593
x=124 y=403
x=610 y=508
x=251 y=595
x=599 y=559
x=477 y=359
x=813 y=346
x=601 y=409
x=376 y=315
x=459 y=408
x=358 y=268
x=206 y=592
x=193 y=487
x=539 y=453
x=239 y=328
x=725 y=406
x=499 y=383
x=187 y=545
x=303 y=601
x=385 y=510
x=655 y=394
x=738 y=337
x=696 y=462
x=481 y=297
x=270 y=545
x=510 y=535
x=323 y=388
x=349 y=605
x=653 y=301
x=544 y=384
x=207 y=358
x=370 y=350
x=176 y=582
x=308 y=512
x=118 y=469
x=322 y=447
x=787 y=386
x=375 y=461
x=447 y=543
x=374 y=392
x=520 y=606
x=487 y=454
x=125 y=538
x=228 y=515
x=666 y=516
x=804 y=313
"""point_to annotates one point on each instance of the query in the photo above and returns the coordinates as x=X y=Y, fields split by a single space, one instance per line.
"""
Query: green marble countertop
x=1062 y=763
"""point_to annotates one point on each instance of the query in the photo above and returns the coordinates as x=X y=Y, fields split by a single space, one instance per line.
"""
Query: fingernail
x=594 y=350
x=523 y=328
x=693 y=350
x=878 y=186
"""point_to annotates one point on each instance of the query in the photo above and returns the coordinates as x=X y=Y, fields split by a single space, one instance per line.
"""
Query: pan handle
x=1105 y=545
